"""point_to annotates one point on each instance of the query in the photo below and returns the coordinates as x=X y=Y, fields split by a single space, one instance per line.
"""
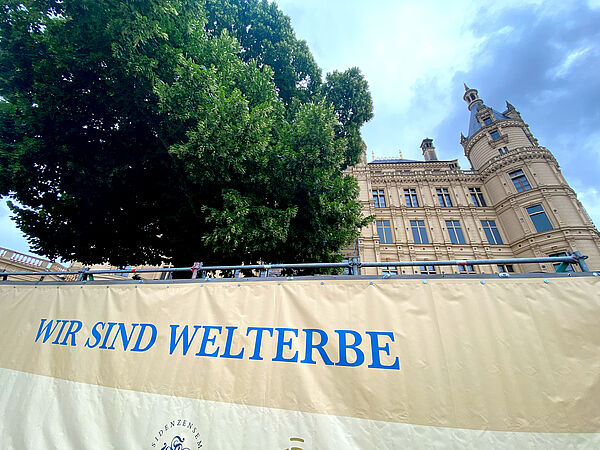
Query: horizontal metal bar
x=282 y=280
x=473 y=262
x=349 y=264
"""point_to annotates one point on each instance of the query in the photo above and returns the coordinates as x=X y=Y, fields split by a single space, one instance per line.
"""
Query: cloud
x=11 y=238
x=575 y=56
x=590 y=199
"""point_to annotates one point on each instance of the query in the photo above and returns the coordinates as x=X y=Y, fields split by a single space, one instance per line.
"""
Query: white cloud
x=570 y=60
x=410 y=53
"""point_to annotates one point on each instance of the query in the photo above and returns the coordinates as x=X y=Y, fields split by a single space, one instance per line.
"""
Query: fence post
x=354 y=262
x=83 y=276
x=195 y=268
x=581 y=261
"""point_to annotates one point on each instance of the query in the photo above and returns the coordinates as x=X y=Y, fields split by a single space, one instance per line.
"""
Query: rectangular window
x=495 y=135
x=519 y=180
x=487 y=121
x=455 y=232
x=503 y=150
x=384 y=231
x=491 y=232
x=504 y=268
x=444 y=197
x=419 y=232
x=467 y=268
x=539 y=218
x=389 y=270
x=477 y=197
x=556 y=265
x=427 y=270
x=378 y=198
x=411 y=198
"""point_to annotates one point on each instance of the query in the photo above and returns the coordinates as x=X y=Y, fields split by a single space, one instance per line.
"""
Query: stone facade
x=514 y=202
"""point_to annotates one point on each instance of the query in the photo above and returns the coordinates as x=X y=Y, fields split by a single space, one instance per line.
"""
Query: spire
x=509 y=106
x=471 y=96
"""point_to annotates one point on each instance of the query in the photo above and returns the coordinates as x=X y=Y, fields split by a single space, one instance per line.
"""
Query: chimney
x=428 y=150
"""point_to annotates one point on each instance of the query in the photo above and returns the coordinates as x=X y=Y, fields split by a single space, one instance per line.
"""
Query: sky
x=542 y=56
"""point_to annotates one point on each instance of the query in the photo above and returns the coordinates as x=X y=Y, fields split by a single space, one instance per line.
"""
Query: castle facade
x=513 y=203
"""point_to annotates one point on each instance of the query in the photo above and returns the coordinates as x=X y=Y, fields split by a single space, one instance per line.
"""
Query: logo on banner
x=178 y=434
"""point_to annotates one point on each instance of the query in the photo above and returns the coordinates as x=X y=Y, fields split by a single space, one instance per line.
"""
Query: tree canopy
x=140 y=132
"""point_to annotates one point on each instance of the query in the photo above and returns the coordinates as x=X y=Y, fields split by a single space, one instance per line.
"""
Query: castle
x=514 y=202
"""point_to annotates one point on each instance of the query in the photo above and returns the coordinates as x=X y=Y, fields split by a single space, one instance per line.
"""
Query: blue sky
x=542 y=56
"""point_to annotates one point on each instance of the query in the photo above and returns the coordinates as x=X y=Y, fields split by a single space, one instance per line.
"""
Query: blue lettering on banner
x=343 y=348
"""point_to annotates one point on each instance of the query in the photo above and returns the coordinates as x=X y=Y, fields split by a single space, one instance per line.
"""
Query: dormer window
x=487 y=120
x=495 y=135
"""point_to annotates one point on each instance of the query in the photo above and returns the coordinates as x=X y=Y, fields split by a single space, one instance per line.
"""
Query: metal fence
x=351 y=266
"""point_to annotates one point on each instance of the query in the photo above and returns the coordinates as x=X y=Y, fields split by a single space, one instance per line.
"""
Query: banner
x=303 y=364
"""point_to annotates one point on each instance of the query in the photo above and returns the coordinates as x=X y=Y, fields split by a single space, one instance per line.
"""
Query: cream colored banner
x=510 y=355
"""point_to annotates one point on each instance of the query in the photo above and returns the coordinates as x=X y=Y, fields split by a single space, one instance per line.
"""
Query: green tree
x=139 y=132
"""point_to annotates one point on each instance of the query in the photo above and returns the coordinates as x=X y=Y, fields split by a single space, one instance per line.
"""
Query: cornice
x=534 y=194
x=558 y=234
x=503 y=123
x=412 y=164
x=518 y=154
x=431 y=176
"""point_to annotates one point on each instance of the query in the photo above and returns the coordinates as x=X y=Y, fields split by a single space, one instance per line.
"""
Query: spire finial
x=466 y=87
x=372 y=155
x=400 y=152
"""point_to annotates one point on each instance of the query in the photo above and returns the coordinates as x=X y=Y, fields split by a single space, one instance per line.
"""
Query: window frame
x=383 y=226
x=427 y=270
x=505 y=268
x=570 y=268
x=539 y=217
x=410 y=196
x=477 y=197
x=378 y=196
x=444 y=197
x=389 y=270
x=467 y=268
x=419 y=230
x=456 y=236
x=517 y=177
x=490 y=229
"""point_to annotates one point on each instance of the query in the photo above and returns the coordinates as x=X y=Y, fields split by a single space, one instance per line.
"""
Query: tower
x=536 y=208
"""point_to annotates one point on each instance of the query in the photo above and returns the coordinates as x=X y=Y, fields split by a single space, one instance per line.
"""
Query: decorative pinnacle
x=466 y=87
x=508 y=105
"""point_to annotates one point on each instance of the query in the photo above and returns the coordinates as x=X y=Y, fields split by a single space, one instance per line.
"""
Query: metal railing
x=351 y=266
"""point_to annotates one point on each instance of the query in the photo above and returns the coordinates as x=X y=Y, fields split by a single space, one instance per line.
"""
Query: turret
x=471 y=96
x=428 y=150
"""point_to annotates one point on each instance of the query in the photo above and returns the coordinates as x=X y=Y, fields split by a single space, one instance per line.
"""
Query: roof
x=406 y=161
x=474 y=125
